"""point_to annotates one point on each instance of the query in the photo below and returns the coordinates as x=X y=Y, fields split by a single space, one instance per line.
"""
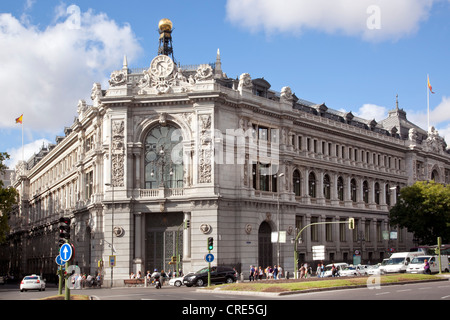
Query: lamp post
x=112 y=227
x=278 y=216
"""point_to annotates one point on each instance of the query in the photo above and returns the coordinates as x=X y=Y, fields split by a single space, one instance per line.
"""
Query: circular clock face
x=162 y=66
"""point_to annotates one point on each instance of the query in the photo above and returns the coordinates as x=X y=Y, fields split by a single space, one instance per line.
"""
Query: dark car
x=219 y=274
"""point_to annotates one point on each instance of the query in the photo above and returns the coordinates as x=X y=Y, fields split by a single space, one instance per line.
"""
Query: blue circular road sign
x=59 y=261
x=209 y=257
x=65 y=252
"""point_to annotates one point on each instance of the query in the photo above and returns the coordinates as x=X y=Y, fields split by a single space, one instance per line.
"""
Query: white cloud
x=372 y=111
x=373 y=20
x=17 y=154
x=45 y=72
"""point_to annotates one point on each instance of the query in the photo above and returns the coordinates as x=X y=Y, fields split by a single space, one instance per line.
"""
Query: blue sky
x=354 y=55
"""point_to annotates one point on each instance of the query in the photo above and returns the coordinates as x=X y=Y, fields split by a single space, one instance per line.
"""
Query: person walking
x=252 y=274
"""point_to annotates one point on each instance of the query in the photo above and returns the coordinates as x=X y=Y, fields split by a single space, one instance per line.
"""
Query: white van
x=399 y=261
x=418 y=263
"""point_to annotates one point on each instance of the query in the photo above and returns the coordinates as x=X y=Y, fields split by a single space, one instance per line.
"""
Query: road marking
x=445 y=297
x=379 y=294
x=404 y=290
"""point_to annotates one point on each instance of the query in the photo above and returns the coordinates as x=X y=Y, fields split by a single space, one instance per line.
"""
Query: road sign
x=66 y=252
x=209 y=257
x=112 y=261
x=59 y=261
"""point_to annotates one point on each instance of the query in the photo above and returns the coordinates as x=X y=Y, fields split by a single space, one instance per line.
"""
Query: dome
x=165 y=25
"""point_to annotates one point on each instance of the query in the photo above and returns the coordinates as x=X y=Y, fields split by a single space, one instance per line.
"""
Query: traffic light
x=187 y=223
x=174 y=260
x=64 y=230
x=351 y=223
x=210 y=243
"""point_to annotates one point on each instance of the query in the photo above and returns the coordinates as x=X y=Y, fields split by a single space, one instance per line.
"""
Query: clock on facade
x=161 y=66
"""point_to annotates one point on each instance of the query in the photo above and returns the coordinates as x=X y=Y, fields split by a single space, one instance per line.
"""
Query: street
x=420 y=291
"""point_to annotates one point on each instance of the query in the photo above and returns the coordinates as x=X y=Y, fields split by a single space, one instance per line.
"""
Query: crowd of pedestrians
x=269 y=273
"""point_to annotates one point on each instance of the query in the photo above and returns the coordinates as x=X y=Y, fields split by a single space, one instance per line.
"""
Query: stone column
x=137 y=261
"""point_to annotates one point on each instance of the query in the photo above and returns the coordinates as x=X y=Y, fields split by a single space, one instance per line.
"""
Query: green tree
x=8 y=198
x=424 y=209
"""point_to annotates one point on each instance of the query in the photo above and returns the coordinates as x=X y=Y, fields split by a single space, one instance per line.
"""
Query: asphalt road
x=420 y=291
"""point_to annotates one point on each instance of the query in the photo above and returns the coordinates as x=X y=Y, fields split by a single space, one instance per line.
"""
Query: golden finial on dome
x=165 y=25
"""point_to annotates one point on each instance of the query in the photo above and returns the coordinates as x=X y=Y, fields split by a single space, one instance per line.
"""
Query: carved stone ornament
x=162 y=77
x=286 y=93
x=248 y=228
x=118 y=153
x=205 y=149
x=245 y=82
x=119 y=231
x=289 y=230
x=205 y=228
x=118 y=78
x=204 y=72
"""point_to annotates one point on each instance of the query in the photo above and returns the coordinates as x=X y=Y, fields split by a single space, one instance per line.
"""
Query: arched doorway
x=265 y=257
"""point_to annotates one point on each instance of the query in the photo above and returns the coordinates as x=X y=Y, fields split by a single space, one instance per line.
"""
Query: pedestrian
x=306 y=269
x=280 y=272
x=426 y=268
x=132 y=276
x=251 y=277
x=319 y=270
x=260 y=273
x=302 y=271
x=275 y=272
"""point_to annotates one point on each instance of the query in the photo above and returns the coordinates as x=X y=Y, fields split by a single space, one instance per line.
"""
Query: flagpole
x=428 y=103
x=23 y=152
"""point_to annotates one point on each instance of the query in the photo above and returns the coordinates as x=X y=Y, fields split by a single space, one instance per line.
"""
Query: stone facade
x=168 y=144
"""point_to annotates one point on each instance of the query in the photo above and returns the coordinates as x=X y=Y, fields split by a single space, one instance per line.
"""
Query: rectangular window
x=89 y=184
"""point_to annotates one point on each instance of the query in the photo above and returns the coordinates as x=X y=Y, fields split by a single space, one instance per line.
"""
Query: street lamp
x=278 y=217
x=112 y=227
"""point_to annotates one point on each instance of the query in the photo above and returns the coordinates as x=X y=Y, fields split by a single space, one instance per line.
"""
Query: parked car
x=32 y=282
x=219 y=274
x=328 y=268
x=359 y=270
x=178 y=281
x=2 y=279
x=374 y=270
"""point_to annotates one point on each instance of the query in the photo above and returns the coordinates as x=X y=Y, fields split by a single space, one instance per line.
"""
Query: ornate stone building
x=170 y=144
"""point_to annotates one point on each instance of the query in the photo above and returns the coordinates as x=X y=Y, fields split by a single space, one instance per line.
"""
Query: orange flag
x=429 y=86
x=19 y=119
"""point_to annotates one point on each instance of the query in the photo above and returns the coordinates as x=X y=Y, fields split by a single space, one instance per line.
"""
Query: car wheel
x=200 y=282
x=229 y=280
x=177 y=283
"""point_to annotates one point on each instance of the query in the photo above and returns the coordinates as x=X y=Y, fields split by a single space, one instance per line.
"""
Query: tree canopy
x=8 y=198
x=424 y=209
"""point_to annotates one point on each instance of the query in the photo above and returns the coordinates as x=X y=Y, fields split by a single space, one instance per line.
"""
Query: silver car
x=32 y=282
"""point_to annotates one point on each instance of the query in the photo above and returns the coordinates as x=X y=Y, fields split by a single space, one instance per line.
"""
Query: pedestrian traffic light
x=64 y=230
x=210 y=243
x=351 y=223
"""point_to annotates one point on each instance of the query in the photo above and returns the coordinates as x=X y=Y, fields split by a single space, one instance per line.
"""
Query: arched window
x=388 y=195
x=366 y=192
x=340 y=189
x=296 y=182
x=326 y=186
x=163 y=160
x=353 y=190
x=377 y=193
x=312 y=185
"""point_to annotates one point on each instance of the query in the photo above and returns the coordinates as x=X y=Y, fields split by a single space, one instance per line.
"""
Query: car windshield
x=396 y=261
x=419 y=260
x=205 y=269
